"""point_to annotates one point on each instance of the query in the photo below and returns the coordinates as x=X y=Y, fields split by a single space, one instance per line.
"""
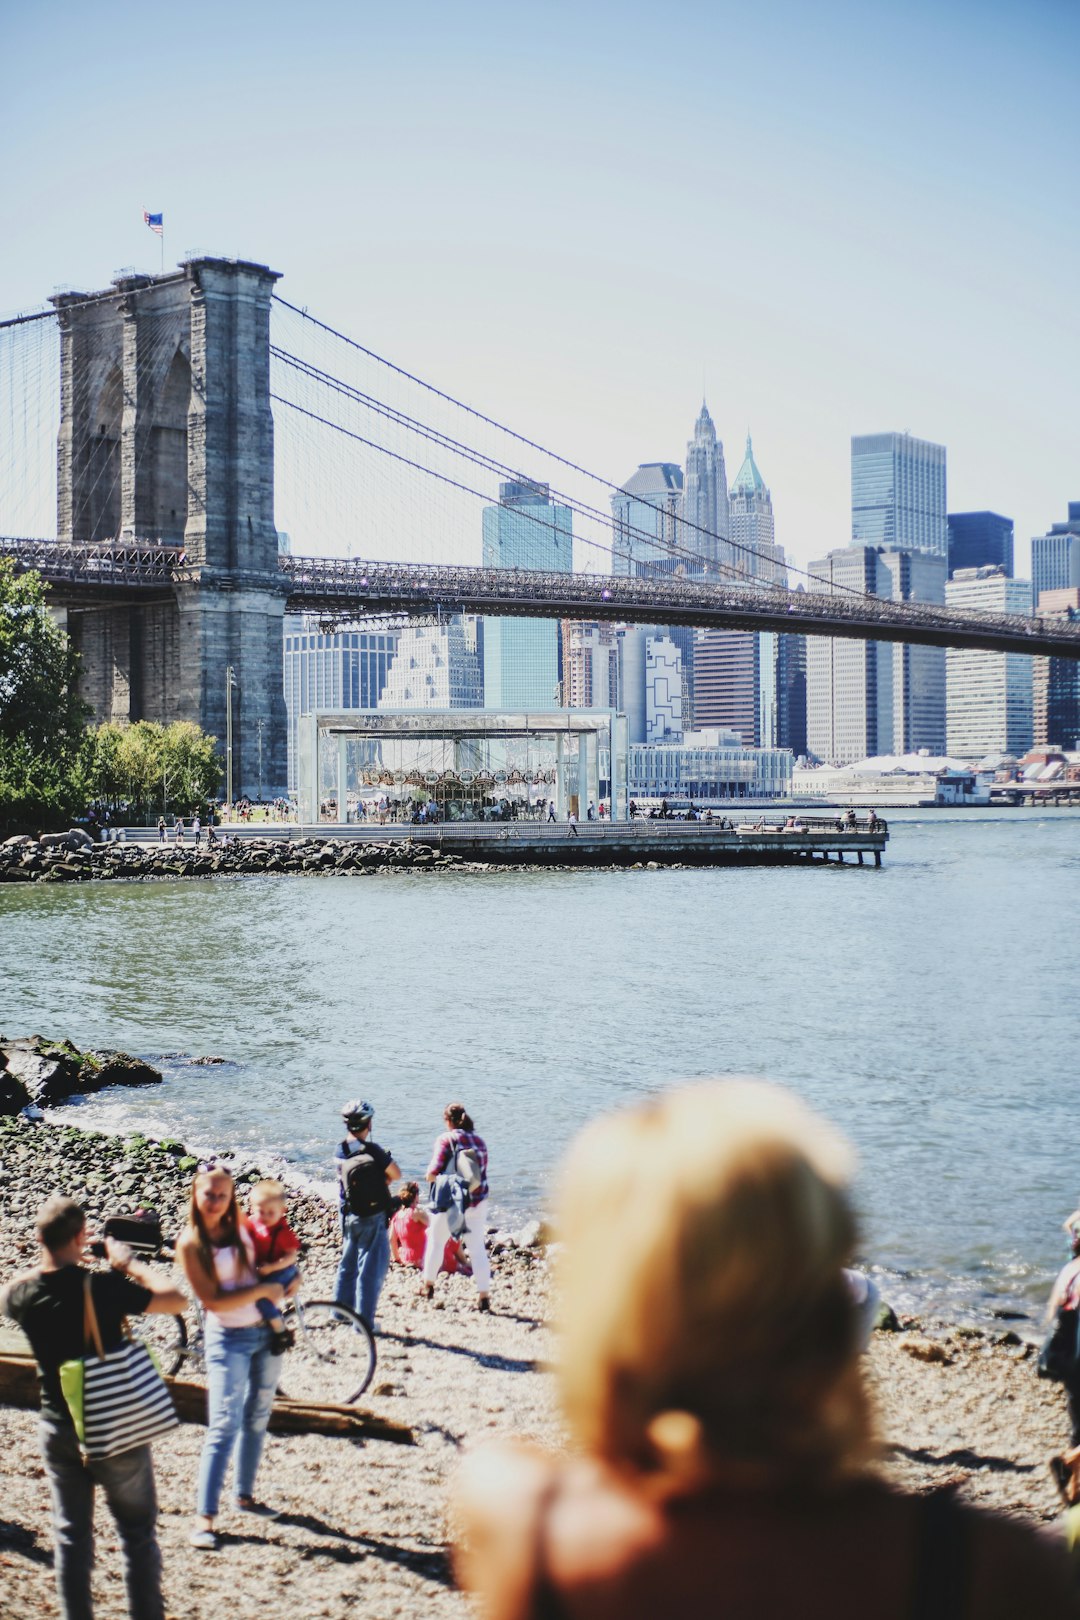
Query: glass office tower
x=898 y=493
x=980 y=540
x=521 y=656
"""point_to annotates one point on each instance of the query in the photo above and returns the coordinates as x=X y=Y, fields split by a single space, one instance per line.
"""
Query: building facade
x=708 y=766
x=705 y=528
x=521 y=657
x=980 y=540
x=752 y=525
x=1056 y=683
x=988 y=694
x=590 y=655
x=663 y=690
x=645 y=516
x=727 y=683
x=918 y=673
x=436 y=666
x=345 y=669
x=1055 y=556
x=898 y=493
x=849 y=709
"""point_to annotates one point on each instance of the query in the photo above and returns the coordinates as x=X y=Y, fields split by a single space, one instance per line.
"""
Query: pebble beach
x=366 y=1524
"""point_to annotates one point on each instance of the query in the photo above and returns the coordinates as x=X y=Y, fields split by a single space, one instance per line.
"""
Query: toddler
x=276 y=1249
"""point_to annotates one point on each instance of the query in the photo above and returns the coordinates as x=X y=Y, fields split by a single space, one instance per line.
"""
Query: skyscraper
x=341 y=669
x=918 y=673
x=727 y=682
x=645 y=519
x=898 y=493
x=849 y=699
x=521 y=656
x=980 y=540
x=989 y=694
x=1056 y=682
x=751 y=526
x=436 y=666
x=1055 y=556
x=590 y=664
x=706 y=529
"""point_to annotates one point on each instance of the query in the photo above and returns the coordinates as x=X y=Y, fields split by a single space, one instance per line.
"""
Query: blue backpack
x=449 y=1196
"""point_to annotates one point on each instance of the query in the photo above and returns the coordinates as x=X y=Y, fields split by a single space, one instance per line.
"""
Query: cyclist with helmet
x=364 y=1173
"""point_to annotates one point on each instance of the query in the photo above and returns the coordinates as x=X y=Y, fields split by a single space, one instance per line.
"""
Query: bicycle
x=332 y=1361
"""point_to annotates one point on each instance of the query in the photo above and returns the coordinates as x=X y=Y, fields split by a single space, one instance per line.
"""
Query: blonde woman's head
x=706 y=1321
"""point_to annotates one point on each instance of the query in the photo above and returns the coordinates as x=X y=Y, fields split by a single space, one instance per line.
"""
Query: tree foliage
x=42 y=719
x=51 y=766
x=150 y=767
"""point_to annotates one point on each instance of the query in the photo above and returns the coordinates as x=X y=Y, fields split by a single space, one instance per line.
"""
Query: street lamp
x=230 y=683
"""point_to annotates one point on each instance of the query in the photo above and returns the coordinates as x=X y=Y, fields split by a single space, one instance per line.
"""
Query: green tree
x=43 y=757
x=153 y=768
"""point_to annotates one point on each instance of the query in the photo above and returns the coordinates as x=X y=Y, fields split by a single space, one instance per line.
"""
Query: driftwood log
x=19 y=1387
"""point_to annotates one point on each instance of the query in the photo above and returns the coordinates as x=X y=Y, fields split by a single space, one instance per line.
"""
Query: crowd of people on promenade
x=709 y=1371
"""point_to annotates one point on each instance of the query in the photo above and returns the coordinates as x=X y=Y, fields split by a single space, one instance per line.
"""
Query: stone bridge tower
x=166 y=434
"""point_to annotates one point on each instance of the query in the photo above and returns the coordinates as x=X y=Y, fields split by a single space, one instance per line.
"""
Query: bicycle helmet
x=358 y=1110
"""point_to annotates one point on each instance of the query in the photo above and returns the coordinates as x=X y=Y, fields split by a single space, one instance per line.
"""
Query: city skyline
x=890 y=280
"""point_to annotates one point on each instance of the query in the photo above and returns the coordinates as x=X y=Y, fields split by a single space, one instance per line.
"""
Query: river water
x=930 y=1008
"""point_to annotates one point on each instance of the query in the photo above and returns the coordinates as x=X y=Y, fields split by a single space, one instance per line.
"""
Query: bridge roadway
x=756 y=841
x=345 y=589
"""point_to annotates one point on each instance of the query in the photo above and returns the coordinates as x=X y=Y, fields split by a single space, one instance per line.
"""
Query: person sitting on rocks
x=408 y=1235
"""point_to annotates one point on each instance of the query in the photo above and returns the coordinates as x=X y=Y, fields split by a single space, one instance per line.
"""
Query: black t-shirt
x=48 y=1306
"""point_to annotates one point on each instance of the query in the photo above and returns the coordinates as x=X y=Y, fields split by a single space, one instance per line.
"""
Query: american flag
x=156 y=222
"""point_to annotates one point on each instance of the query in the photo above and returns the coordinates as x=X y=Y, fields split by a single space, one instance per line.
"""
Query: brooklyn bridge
x=166 y=558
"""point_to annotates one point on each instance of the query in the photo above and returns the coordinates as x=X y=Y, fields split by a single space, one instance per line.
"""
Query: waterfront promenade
x=758 y=840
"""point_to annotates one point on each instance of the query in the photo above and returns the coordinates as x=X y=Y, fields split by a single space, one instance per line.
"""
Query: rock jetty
x=35 y=1070
x=74 y=858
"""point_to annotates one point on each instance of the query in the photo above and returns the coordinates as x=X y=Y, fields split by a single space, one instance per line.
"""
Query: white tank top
x=231 y=1276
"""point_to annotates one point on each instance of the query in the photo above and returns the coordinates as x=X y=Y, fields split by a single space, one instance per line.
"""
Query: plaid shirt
x=450 y=1144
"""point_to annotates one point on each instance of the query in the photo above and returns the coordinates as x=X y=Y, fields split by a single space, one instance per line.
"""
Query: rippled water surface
x=931 y=1008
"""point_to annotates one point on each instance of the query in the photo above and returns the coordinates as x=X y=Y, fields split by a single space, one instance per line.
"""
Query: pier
x=755 y=841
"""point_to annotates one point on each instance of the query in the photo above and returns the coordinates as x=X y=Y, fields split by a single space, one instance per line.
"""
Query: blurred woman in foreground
x=711 y=1384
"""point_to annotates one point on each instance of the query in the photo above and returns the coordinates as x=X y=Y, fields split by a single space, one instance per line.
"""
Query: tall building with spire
x=705 y=528
x=751 y=527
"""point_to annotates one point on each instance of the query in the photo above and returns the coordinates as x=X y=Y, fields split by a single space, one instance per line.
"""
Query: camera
x=98 y=1249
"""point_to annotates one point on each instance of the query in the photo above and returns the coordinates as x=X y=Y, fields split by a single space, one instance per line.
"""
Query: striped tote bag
x=119 y=1400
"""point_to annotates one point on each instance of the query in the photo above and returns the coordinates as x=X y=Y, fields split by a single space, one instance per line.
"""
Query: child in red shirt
x=276 y=1249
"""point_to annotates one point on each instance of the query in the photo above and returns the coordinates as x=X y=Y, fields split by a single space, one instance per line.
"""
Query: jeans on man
x=365 y=1260
x=241 y=1377
x=128 y=1483
x=266 y=1307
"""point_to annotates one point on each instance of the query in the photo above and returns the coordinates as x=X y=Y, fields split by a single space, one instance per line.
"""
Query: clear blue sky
x=847 y=217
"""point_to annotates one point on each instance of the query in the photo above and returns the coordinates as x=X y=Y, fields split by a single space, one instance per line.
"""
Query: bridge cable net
x=29 y=421
x=374 y=462
x=322 y=379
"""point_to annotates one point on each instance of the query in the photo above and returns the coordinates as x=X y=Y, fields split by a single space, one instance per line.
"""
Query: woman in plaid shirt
x=460 y=1133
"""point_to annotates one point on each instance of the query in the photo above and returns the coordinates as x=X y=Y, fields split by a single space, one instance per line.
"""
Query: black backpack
x=364 y=1181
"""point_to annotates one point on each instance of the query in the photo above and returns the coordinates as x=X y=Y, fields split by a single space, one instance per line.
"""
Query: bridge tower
x=166 y=434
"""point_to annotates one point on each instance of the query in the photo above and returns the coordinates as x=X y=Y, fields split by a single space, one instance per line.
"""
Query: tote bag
x=117 y=1401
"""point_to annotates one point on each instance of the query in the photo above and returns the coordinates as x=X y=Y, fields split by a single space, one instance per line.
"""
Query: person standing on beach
x=460 y=1138
x=48 y=1304
x=196 y=831
x=365 y=1171
x=178 y=831
x=161 y=829
x=217 y=1254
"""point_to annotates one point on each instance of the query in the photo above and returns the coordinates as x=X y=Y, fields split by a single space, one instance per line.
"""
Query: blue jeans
x=241 y=1377
x=267 y=1309
x=365 y=1260
x=128 y=1483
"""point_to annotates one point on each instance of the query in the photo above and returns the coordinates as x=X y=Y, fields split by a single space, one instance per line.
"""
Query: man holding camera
x=365 y=1171
x=48 y=1304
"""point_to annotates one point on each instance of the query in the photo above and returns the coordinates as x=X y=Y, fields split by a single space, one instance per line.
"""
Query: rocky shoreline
x=73 y=858
x=365 y=1525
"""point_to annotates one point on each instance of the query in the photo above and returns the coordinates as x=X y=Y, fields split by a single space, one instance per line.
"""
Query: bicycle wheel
x=333 y=1359
x=166 y=1337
